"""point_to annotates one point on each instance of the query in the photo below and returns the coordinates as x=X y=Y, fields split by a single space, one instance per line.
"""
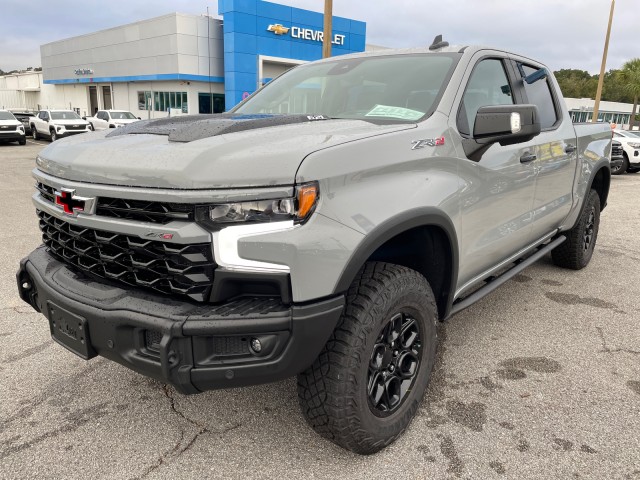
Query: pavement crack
x=29 y=352
x=73 y=421
x=180 y=446
x=609 y=350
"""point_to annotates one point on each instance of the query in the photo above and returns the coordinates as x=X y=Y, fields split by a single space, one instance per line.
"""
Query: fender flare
x=417 y=217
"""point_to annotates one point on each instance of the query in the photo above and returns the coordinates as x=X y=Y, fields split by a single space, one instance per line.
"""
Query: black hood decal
x=189 y=128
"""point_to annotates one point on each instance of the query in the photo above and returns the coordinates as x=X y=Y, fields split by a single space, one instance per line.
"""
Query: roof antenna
x=438 y=43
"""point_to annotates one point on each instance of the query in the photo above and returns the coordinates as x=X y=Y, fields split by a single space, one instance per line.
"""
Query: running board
x=495 y=282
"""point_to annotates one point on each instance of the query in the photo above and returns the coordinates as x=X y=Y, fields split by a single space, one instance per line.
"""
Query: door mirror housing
x=506 y=124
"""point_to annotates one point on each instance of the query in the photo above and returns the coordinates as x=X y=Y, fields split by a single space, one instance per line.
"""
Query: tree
x=630 y=77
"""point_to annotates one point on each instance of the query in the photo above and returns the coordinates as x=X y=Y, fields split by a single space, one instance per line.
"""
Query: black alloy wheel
x=393 y=365
x=589 y=229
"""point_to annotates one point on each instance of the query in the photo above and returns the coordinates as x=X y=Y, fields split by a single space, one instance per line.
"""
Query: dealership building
x=178 y=63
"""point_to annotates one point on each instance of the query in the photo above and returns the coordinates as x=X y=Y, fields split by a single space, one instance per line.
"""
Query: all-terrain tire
x=576 y=252
x=334 y=392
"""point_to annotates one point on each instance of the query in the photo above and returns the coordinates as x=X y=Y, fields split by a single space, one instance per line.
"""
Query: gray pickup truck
x=319 y=229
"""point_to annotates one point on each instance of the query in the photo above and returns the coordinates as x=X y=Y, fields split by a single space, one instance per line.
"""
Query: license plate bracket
x=70 y=330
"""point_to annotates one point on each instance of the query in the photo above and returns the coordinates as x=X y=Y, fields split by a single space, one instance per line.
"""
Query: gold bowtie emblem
x=278 y=29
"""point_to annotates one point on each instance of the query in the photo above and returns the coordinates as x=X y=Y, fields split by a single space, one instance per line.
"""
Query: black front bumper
x=616 y=161
x=11 y=137
x=194 y=347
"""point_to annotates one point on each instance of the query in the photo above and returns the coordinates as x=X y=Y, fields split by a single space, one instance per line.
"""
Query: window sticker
x=395 y=112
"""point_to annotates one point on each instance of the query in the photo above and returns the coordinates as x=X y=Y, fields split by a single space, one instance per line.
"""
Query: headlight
x=634 y=145
x=297 y=208
x=21 y=128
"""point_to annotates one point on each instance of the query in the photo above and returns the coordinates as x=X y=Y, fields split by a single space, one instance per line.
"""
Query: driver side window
x=488 y=85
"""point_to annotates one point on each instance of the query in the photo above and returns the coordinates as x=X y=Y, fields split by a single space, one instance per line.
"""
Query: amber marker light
x=307 y=199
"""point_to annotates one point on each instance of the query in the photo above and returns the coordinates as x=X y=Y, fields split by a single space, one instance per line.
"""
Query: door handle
x=570 y=149
x=527 y=157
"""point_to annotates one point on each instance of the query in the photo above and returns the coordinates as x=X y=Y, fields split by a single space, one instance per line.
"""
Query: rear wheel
x=576 y=252
x=365 y=387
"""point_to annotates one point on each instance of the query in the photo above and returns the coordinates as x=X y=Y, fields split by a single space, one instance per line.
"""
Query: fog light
x=26 y=285
x=256 y=346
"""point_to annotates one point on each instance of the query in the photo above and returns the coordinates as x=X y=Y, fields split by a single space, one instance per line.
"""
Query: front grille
x=616 y=150
x=75 y=127
x=144 y=211
x=182 y=270
x=46 y=192
x=8 y=128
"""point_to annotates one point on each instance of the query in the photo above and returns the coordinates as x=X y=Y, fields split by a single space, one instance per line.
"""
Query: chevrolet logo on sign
x=278 y=29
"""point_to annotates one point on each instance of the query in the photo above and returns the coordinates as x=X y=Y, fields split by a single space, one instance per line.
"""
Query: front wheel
x=577 y=250
x=91 y=127
x=54 y=136
x=34 y=132
x=365 y=387
x=22 y=141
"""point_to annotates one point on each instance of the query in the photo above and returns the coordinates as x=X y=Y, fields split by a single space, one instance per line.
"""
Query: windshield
x=635 y=134
x=6 y=116
x=66 y=115
x=399 y=88
x=122 y=116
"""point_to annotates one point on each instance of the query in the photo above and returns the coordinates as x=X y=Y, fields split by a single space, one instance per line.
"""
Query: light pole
x=596 y=106
x=326 y=38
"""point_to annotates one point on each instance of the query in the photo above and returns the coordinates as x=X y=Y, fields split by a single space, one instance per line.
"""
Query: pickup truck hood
x=229 y=155
x=69 y=121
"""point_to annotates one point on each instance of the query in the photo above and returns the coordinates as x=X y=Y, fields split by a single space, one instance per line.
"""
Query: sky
x=559 y=33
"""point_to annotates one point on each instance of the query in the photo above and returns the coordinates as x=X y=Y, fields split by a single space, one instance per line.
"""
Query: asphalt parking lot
x=541 y=379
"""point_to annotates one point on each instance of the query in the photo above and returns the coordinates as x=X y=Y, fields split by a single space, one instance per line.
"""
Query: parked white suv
x=11 y=129
x=56 y=124
x=104 y=119
x=631 y=146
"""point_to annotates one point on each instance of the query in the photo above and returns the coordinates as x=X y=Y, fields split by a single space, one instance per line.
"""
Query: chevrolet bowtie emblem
x=278 y=29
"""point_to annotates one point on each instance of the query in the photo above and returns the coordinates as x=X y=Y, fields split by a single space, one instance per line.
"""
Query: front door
x=106 y=98
x=496 y=204
x=93 y=100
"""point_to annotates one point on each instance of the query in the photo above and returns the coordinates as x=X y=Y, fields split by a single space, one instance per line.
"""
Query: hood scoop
x=189 y=128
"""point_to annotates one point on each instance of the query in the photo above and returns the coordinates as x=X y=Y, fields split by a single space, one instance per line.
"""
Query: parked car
x=11 y=130
x=317 y=235
x=630 y=141
x=56 y=124
x=104 y=119
x=617 y=158
x=24 y=117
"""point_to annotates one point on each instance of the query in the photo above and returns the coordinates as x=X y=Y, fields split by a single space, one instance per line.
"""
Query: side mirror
x=506 y=124
x=84 y=118
x=139 y=118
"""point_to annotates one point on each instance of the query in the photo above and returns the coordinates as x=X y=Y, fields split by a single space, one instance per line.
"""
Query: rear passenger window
x=488 y=85
x=539 y=93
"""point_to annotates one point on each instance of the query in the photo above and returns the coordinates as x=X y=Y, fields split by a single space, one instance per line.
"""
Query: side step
x=495 y=282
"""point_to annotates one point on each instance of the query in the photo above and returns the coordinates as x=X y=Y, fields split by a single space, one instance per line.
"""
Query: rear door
x=496 y=204
x=556 y=152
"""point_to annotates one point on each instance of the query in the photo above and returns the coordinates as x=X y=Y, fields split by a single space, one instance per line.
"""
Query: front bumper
x=12 y=137
x=194 y=347
x=616 y=162
x=67 y=133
